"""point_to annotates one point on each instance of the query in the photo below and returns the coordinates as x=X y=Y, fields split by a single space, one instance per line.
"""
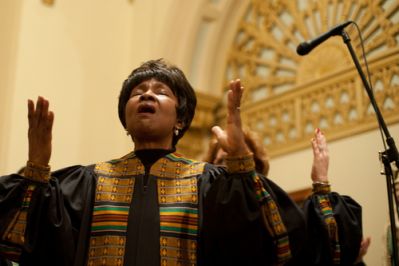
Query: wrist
x=44 y=162
x=37 y=172
x=240 y=163
x=321 y=181
x=239 y=152
x=321 y=187
x=319 y=178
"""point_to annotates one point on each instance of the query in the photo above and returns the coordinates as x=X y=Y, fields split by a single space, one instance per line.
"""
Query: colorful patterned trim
x=37 y=173
x=331 y=226
x=109 y=218
x=176 y=157
x=321 y=188
x=273 y=222
x=10 y=252
x=15 y=232
x=241 y=164
x=114 y=193
x=178 y=205
x=177 y=252
x=106 y=250
x=179 y=220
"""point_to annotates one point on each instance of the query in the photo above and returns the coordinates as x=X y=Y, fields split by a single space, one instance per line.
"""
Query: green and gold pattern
x=15 y=232
x=331 y=225
x=178 y=207
x=273 y=222
x=111 y=209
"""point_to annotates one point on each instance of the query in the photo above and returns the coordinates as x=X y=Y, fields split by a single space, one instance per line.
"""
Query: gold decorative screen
x=288 y=96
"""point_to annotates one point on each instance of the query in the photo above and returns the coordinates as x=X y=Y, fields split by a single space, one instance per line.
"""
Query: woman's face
x=151 y=114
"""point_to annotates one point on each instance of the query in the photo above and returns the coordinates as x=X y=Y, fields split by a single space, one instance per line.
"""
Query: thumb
x=218 y=132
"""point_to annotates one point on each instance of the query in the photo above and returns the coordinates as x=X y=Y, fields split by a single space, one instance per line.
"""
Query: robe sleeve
x=41 y=222
x=4 y=262
x=12 y=192
x=294 y=221
x=234 y=229
x=231 y=220
x=334 y=228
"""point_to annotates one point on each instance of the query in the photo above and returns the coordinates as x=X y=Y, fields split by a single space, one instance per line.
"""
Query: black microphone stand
x=388 y=156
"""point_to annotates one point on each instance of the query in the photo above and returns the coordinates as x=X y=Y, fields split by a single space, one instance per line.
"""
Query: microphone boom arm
x=388 y=156
x=305 y=47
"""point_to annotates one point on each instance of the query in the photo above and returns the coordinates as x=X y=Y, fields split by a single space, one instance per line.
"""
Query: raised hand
x=232 y=139
x=40 y=131
x=364 y=246
x=320 y=157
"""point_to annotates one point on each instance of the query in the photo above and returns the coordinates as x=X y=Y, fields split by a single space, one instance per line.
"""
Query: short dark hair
x=171 y=76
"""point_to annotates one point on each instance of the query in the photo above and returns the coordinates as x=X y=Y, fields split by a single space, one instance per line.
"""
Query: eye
x=136 y=92
x=163 y=92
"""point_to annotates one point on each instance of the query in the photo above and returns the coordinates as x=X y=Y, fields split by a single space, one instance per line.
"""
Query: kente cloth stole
x=332 y=228
x=14 y=235
x=273 y=222
x=178 y=208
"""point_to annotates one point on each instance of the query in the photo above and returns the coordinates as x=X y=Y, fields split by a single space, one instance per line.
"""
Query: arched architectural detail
x=287 y=95
x=206 y=50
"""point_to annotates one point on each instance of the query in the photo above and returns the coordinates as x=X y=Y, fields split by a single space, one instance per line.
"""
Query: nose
x=147 y=96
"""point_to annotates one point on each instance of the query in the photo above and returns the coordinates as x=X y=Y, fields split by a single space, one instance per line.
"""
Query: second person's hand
x=40 y=131
x=232 y=139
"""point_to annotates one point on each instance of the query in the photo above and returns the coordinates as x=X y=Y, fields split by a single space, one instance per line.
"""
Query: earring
x=176 y=131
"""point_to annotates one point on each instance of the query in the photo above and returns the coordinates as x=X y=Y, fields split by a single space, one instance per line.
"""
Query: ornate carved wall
x=287 y=96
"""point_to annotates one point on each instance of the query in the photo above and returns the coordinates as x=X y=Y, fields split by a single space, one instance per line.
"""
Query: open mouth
x=146 y=108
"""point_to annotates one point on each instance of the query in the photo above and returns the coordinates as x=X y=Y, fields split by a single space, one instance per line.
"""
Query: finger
x=323 y=143
x=315 y=147
x=364 y=245
x=218 y=132
x=234 y=102
x=38 y=111
x=321 y=140
x=233 y=115
x=230 y=101
x=221 y=136
x=44 y=112
x=367 y=242
x=319 y=143
x=31 y=111
x=50 y=121
x=237 y=92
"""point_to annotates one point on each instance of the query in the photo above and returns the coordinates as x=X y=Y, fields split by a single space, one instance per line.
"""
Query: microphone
x=305 y=47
